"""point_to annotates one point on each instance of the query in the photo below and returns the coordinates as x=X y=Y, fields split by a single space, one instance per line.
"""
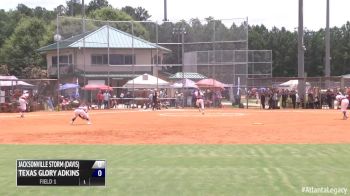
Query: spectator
x=262 y=99
x=106 y=97
x=293 y=96
x=155 y=101
x=122 y=97
x=128 y=101
x=310 y=100
x=297 y=99
x=284 y=98
x=99 y=98
x=317 y=102
x=329 y=98
x=114 y=103
x=49 y=103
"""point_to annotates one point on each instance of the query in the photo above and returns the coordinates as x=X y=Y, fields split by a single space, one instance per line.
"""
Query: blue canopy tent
x=68 y=86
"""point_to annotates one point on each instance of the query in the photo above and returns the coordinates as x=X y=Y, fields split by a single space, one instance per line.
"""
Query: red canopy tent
x=97 y=87
x=91 y=87
x=210 y=83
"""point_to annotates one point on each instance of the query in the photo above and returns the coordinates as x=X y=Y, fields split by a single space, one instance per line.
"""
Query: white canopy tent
x=147 y=81
x=6 y=81
x=185 y=83
x=292 y=85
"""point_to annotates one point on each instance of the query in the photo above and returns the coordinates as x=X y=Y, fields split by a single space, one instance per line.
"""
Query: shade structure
x=292 y=85
x=188 y=75
x=210 y=83
x=97 y=87
x=147 y=81
x=6 y=81
x=185 y=83
x=68 y=86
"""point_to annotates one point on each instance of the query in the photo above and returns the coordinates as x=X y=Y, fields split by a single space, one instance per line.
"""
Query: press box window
x=64 y=60
x=99 y=59
x=114 y=59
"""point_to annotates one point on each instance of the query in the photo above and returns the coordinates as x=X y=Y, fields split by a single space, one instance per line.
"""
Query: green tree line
x=24 y=30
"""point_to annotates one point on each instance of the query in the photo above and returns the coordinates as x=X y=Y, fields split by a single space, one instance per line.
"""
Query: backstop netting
x=115 y=53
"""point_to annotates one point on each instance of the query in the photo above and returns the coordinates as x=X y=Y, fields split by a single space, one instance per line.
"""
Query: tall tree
x=284 y=55
x=23 y=9
x=258 y=37
x=111 y=14
x=19 y=50
x=74 y=7
x=60 y=10
x=138 y=14
x=97 y=4
x=5 y=30
x=44 y=14
x=315 y=53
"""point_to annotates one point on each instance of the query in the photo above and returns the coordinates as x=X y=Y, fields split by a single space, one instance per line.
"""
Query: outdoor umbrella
x=96 y=87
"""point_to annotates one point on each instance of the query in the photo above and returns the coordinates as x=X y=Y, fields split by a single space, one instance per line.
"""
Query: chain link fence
x=114 y=53
x=43 y=93
x=282 y=92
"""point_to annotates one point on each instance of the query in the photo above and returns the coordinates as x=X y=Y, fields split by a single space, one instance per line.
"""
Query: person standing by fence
x=155 y=101
x=49 y=103
x=262 y=98
x=284 y=98
x=99 y=98
x=106 y=97
x=329 y=98
x=293 y=96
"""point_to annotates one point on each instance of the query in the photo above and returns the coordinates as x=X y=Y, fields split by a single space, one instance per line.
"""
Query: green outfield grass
x=191 y=169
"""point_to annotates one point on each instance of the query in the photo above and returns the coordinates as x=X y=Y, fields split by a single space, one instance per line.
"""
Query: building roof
x=106 y=75
x=188 y=75
x=100 y=38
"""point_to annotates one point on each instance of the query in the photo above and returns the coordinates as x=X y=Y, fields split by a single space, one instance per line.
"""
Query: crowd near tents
x=177 y=90
x=140 y=87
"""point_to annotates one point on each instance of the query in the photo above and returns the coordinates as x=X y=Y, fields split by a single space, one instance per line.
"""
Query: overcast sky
x=279 y=13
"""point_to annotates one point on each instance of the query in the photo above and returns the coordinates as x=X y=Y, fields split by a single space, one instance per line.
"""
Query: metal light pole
x=84 y=29
x=165 y=11
x=301 y=82
x=157 y=62
x=182 y=31
x=327 y=55
x=133 y=62
x=57 y=37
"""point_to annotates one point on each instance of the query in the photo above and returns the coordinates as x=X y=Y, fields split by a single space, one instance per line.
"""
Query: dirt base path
x=224 y=126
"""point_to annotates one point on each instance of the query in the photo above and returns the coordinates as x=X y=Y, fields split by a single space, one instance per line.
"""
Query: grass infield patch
x=191 y=169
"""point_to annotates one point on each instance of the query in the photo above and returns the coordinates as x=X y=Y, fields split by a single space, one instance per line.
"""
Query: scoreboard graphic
x=61 y=172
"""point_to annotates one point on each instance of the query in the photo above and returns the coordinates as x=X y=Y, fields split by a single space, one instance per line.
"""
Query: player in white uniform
x=22 y=104
x=82 y=112
x=199 y=100
x=343 y=102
